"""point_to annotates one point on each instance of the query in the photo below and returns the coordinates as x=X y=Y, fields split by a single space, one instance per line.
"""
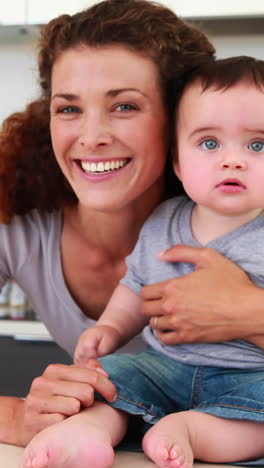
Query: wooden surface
x=10 y=457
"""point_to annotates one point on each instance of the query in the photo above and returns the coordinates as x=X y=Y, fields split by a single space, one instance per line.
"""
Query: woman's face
x=108 y=124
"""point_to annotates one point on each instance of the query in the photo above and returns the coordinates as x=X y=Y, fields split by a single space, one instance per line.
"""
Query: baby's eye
x=257 y=146
x=125 y=108
x=209 y=144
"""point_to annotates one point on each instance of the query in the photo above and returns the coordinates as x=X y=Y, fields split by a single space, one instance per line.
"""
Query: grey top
x=170 y=224
x=30 y=253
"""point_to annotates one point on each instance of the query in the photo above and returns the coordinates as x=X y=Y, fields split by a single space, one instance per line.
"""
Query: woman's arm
x=18 y=425
x=216 y=302
x=11 y=409
x=60 y=392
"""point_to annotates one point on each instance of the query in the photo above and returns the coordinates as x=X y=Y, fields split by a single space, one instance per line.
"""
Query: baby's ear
x=176 y=168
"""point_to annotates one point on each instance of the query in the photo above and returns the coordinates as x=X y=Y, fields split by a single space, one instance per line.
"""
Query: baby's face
x=220 y=143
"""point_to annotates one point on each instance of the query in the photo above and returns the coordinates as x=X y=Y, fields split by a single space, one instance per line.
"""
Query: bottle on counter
x=17 y=302
x=4 y=300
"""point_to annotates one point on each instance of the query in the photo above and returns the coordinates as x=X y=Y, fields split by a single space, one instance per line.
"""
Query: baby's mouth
x=232 y=182
x=103 y=167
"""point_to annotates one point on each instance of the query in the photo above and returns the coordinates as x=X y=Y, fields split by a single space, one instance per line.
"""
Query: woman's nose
x=94 y=132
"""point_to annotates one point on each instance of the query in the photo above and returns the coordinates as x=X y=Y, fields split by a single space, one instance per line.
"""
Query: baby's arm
x=258 y=340
x=121 y=320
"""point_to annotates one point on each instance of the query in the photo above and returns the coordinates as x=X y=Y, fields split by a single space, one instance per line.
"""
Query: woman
x=79 y=213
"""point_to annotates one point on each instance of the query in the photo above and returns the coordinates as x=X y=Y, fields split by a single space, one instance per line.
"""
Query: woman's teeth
x=100 y=167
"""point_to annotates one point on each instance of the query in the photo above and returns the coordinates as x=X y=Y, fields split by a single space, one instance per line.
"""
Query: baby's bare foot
x=168 y=445
x=67 y=445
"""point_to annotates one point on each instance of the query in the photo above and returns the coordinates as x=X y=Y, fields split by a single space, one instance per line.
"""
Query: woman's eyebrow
x=110 y=93
x=115 y=92
x=69 y=97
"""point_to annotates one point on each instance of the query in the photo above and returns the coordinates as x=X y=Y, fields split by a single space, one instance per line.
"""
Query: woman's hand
x=216 y=302
x=60 y=392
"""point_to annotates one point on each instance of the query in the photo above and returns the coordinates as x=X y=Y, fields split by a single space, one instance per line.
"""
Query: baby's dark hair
x=222 y=74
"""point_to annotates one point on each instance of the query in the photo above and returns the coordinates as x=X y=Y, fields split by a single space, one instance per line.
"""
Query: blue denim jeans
x=151 y=385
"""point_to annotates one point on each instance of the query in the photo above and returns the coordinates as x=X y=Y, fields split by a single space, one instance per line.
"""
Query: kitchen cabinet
x=40 y=12
x=21 y=361
x=26 y=349
x=30 y=12
x=22 y=12
x=13 y=12
x=224 y=9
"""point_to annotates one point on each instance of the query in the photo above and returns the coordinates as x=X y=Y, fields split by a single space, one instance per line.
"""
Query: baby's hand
x=95 y=342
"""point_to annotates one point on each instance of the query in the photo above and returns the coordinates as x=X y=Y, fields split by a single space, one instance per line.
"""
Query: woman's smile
x=102 y=167
x=101 y=170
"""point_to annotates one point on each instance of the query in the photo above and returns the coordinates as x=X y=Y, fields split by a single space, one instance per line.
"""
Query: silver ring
x=155 y=324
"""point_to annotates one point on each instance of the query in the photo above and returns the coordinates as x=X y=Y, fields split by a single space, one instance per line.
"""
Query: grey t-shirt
x=170 y=224
x=30 y=253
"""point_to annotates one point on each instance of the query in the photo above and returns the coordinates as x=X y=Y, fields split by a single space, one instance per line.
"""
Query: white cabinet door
x=222 y=8
x=41 y=11
x=13 y=12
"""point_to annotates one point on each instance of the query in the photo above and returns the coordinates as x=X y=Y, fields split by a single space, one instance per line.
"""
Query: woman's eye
x=209 y=144
x=125 y=108
x=257 y=146
x=68 y=110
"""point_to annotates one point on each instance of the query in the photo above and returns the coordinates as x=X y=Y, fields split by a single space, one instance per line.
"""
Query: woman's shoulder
x=32 y=223
x=26 y=235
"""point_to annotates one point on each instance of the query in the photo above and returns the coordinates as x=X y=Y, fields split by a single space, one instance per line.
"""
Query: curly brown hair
x=29 y=174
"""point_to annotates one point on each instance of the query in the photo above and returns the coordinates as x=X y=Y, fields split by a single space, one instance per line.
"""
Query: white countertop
x=24 y=330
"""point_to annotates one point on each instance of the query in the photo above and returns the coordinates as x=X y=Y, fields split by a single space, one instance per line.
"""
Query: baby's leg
x=86 y=439
x=168 y=443
x=178 y=438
